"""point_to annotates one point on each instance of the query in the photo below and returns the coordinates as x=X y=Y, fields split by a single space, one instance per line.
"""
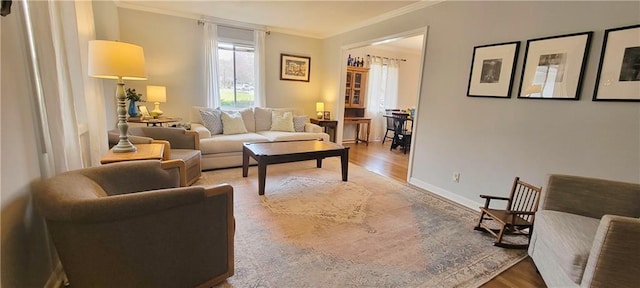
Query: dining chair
x=402 y=136
x=389 y=117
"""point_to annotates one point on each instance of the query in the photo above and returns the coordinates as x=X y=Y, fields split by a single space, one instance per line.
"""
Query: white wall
x=490 y=141
x=175 y=58
x=25 y=254
x=105 y=14
x=281 y=93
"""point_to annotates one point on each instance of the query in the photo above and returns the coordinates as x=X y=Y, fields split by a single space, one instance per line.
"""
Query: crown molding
x=220 y=21
x=389 y=15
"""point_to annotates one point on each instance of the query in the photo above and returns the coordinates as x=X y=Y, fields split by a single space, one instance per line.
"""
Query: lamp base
x=124 y=147
x=319 y=115
x=156 y=109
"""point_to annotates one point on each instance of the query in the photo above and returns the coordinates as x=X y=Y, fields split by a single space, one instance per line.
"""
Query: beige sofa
x=222 y=151
x=587 y=233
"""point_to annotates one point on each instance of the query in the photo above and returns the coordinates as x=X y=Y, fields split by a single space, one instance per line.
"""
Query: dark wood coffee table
x=291 y=151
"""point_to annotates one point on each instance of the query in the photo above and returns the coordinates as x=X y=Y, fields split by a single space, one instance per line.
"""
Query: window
x=236 y=79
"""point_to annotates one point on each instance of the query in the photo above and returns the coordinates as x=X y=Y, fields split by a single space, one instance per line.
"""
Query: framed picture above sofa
x=295 y=68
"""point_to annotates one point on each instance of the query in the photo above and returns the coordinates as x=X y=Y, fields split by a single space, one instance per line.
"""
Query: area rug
x=311 y=229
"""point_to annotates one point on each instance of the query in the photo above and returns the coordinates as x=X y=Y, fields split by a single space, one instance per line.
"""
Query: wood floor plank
x=393 y=164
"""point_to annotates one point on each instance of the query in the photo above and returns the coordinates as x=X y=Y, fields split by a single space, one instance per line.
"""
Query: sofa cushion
x=282 y=121
x=299 y=122
x=212 y=120
x=228 y=143
x=263 y=118
x=249 y=119
x=570 y=236
x=232 y=123
x=290 y=136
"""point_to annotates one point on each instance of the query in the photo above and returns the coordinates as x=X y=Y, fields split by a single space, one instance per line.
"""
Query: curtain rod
x=399 y=59
x=233 y=24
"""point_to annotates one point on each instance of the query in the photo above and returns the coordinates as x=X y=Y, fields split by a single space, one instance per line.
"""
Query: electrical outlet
x=456 y=177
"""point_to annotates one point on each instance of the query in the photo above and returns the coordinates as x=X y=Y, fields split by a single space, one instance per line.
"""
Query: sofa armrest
x=614 y=260
x=202 y=131
x=310 y=127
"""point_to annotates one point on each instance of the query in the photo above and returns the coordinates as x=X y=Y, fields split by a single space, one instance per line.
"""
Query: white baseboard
x=57 y=277
x=446 y=194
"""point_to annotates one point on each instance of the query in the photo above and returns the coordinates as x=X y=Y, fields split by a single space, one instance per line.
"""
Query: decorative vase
x=133 y=109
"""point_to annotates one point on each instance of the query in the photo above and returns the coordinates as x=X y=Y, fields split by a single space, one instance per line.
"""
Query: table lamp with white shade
x=156 y=94
x=120 y=61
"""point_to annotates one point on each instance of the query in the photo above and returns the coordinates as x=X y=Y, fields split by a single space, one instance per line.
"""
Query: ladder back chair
x=517 y=217
x=390 y=120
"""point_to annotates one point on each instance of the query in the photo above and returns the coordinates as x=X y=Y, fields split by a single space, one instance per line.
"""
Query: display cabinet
x=356 y=87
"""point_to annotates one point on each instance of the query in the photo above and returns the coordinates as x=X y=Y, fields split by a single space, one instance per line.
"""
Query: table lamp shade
x=111 y=59
x=156 y=94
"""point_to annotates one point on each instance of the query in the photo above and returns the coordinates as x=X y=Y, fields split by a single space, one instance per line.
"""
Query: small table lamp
x=117 y=60
x=319 y=110
x=157 y=94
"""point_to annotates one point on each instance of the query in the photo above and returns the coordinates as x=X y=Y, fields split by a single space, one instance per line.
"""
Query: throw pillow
x=282 y=121
x=263 y=118
x=299 y=122
x=212 y=121
x=232 y=123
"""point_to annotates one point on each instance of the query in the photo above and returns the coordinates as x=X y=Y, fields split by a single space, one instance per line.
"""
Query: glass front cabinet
x=356 y=87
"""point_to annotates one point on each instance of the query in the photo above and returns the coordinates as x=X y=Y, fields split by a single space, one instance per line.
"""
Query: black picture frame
x=295 y=68
x=553 y=67
x=618 y=77
x=493 y=68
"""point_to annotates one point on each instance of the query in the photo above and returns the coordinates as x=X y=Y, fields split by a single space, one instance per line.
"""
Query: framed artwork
x=554 y=66
x=619 y=71
x=295 y=68
x=492 y=70
x=327 y=115
x=143 y=111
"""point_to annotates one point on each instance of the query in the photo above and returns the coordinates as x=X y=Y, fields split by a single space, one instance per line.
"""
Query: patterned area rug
x=310 y=229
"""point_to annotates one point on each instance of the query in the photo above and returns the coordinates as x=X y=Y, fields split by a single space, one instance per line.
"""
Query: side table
x=144 y=152
x=327 y=124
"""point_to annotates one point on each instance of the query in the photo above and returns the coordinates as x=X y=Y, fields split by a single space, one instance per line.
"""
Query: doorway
x=386 y=88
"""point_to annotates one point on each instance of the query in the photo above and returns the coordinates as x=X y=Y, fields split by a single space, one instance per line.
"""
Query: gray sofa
x=587 y=233
x=222 y=151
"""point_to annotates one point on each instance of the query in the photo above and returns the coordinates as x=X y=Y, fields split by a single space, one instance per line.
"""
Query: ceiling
x=317 y=19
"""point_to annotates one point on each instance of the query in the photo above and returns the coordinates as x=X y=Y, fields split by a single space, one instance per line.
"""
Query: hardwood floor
x=377 y=158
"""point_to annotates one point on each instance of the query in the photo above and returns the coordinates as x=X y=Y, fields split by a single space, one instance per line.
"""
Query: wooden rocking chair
x=518 y=216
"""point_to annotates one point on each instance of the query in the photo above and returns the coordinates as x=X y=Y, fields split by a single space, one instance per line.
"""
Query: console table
x=327 y=124
x=358 y=121
x=155 y=121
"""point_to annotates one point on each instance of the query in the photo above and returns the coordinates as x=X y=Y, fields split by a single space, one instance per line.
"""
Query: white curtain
x=259 y=59
x=67 y=104
x=211 y=64
x=382 y=93
x=391 y=91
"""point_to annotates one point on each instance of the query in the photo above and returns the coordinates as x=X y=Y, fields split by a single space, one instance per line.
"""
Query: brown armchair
x=182 y=148
x=127 y=225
